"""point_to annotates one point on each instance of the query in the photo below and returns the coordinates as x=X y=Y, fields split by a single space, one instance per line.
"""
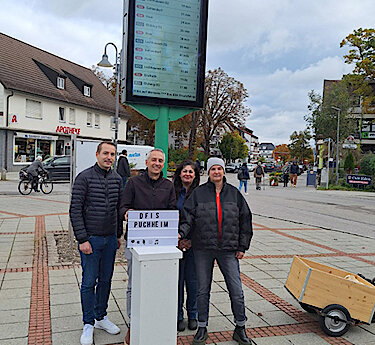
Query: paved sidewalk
x=40 y=302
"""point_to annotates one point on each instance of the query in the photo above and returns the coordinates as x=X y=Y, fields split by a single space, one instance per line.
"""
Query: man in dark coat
x=149 y=191
x=123 y=166
x=94 y=213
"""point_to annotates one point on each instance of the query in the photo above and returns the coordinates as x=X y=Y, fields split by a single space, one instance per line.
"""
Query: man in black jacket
x=94 y=213
x=123 y=166
x=149 y=191
x=219 y=220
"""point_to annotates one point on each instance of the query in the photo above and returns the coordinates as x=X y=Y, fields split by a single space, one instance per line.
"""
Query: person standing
x=94 y=213
x=149 y=191
x=243 y=175
x=219 y=220
x=258 y=174
x=33 y=171
x=294 y=170
x=285 y=171
x=123 y=166
x=185 y=180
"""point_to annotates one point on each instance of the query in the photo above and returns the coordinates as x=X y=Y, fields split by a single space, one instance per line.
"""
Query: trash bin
x=311 y=178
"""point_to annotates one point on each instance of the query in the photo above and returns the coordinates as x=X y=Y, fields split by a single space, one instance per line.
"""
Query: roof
x=269 y=146
x=29 y=69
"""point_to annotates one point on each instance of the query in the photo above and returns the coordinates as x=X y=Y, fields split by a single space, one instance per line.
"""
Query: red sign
x=68 y=130
x=14 y=119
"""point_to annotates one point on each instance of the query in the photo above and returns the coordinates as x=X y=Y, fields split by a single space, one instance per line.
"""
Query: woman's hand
x=239 y=255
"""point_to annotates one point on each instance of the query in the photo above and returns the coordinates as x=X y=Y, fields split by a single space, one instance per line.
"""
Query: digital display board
x=166 y=52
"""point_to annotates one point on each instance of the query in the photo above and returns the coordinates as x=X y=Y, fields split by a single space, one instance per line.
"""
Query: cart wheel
x=330 y=320
x=307 y=307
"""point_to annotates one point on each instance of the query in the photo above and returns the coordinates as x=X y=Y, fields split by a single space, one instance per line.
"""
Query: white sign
x=349 y=146
x=153 y=228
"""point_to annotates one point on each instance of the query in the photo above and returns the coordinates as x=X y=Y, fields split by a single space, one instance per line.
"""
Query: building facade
x=265 y=151
x=44 y=100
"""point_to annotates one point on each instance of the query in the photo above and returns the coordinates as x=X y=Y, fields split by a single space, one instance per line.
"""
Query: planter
x=274 y=182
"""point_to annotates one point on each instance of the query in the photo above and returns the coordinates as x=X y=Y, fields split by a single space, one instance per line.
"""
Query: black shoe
x=180 y=326
x=192 y=324
x=239 y=335
x=201 y=336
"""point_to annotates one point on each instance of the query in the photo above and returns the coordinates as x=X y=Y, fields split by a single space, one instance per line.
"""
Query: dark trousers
x=187 y=277
x=97 y=271
x=230 y=268
x=34 y=181
x=286 y=180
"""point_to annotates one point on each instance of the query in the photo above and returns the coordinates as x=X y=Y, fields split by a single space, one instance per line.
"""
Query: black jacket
x=200 y=216
x=94 y=208
x=294 y=169
x=243 y=173
x=123 y=167
x=143 y=193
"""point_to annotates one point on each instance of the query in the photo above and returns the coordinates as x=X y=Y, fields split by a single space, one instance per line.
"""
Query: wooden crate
x=319 y=285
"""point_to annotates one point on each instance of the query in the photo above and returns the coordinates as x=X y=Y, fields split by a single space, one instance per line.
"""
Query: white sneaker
x=87 y=334
x=246 y=193
x=107 y=325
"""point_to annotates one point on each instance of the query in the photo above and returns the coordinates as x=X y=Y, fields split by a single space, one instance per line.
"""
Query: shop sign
x=14 y=119
x=68 y=130
x=35 y=136
x=358 y=179
x=368 y=135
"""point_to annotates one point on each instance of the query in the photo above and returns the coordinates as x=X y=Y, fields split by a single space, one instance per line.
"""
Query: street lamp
x=105 y=63
x=337 y=149
x=329 y=147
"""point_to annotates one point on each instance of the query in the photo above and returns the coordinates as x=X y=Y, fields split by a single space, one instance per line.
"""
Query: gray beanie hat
x=215 y=161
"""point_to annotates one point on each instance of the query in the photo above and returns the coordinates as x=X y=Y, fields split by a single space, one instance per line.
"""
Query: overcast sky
x=279 y=49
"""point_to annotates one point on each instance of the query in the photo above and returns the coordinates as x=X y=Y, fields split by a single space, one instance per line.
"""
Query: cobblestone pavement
x=40 y=301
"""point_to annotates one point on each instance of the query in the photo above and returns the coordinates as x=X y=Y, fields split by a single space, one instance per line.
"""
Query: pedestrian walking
x=185 y=180
x=258 y=174
x=243 y=176
x=293 y=170
x=219 y=220
x=149 y=191
x=285 y=171
x=94 y=213
x=123 y=168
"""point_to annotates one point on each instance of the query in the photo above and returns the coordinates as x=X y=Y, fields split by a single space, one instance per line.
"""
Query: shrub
x=367 y=165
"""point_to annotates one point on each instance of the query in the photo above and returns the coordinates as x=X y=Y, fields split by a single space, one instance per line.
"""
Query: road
x=351 y=212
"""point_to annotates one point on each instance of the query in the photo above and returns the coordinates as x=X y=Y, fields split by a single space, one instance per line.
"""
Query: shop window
x=43 y=149
x=72 y=116
x=24 y=150
x=89 y=120
x=59 y=147
x=97 y=121
x=33 y=109
x=62 y=114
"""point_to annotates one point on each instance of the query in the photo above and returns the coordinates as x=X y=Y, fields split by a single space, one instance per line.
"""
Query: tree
x=223 y=105
x=233 y=146
x=300 y=147
x=362 y=55
x=281 y=153
x=349 y=163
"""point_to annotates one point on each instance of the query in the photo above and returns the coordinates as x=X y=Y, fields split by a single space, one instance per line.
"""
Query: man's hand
x=118 y=243
x=184 y=244
x=239 y=255
x=85 y=247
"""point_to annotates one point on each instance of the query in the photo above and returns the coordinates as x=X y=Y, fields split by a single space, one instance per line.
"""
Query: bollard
x=3 y=174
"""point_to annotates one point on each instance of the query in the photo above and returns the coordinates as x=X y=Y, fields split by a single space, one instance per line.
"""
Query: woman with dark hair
x=185 y=179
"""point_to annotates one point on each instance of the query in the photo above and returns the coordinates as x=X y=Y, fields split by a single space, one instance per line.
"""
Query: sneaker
x=107 y=325
x=246 y=193
x=180 y=326
x=87 y=336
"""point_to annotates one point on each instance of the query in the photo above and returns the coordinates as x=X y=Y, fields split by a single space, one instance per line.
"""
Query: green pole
x=161 y=133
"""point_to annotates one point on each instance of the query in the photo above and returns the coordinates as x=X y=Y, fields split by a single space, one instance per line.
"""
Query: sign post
x=165 y=51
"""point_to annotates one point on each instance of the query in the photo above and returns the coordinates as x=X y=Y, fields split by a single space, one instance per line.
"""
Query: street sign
x=152 y=228
x=349 y=146
x=166 y=52
x=359 y=179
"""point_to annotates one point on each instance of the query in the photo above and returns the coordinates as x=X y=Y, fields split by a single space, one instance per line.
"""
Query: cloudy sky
x=279 y=49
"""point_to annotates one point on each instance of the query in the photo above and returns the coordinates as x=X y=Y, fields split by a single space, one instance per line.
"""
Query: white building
x=44 y=99
x=265 y=151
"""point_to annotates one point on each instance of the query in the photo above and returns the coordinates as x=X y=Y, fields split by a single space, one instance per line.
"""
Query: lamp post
x=329 y=153
x=337 y=140
x=105 y=63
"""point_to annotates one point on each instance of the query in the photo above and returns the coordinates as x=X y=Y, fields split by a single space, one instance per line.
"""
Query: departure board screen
x=166 y=48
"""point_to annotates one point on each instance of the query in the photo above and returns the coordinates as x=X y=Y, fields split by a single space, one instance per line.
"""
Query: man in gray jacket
x=94 y=213
x=33 y=172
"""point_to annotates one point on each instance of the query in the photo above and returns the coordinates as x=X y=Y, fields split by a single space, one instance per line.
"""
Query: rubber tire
x=22 y=190
x=307 y=307
x=329 y=309
x=47 y=191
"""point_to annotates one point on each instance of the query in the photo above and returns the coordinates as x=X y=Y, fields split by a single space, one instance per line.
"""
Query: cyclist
x=33 y=172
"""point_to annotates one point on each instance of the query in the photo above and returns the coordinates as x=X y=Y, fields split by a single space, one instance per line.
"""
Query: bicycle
x=25 y=185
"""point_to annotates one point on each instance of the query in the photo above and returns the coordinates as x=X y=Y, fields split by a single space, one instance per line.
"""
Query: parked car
x=269 y=167
x=232 y=167
x=251 y=166
x=58 y=168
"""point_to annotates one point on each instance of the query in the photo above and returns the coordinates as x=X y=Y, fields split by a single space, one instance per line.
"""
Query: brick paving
x=47 y=302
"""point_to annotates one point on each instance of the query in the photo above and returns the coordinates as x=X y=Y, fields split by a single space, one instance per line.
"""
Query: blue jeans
x=230 y=268
x=97 y=271
x=243 y=182
x=187 y=276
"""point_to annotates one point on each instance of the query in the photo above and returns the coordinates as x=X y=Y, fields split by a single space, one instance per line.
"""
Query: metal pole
x=117 y=106
x=329 y=153
x=338 y=146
